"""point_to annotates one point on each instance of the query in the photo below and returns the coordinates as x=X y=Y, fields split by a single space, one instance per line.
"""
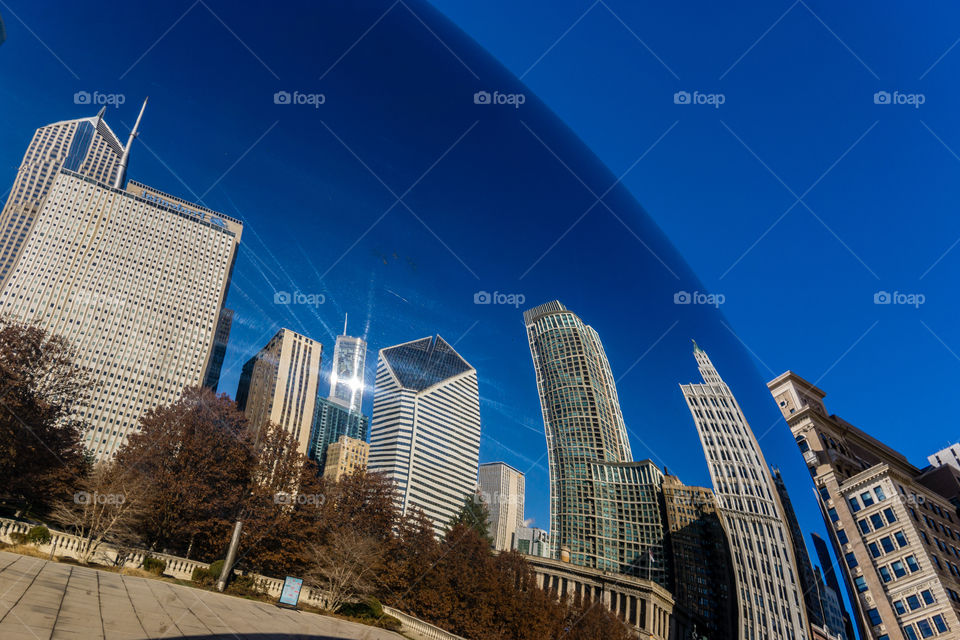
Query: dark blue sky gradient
x=307 y=183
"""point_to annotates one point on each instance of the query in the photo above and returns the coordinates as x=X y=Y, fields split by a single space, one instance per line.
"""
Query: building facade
x=767 y=586
x=894 y=527
x=86 y=146
x=221 y=336
x=332 y=421
x=425 y=432
x=699 y=559
x=532 y=541
x=344 y=457
x=830 y=577
x=950 y=455
x=134 y=278
x=346 y=375
x=502 y=489
x=582 y=422
x=279 y=386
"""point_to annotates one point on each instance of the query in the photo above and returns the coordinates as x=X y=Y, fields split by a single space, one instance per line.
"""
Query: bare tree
x=344 y=569
x=104 y=511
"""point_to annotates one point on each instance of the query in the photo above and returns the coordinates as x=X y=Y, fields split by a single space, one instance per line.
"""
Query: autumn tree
x=195 y=456
x=105 y=510
x=41 y=453
x=344 y=569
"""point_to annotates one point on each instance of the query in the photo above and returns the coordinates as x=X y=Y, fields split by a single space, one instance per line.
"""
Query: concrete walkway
x=41 y=600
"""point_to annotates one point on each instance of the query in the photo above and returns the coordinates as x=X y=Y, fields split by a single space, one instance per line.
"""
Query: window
x=824 y=493
x=902 y=539
x=878 y=491
x=888 y=512
x=909 y=633
x=887 y=544
x=876 y=521
x=926 y=630
x=861 y=583
x=939 y=623
x=874 y=616
x=913 y=602
x=854 y=505
x=867 y=498
x=851 y=560
x=874 y=549
x=927 y=596
x=842 y=536
x=899 y=608
x=912 y=563
x=898 y=569
x=864 y=526
x=833 y=514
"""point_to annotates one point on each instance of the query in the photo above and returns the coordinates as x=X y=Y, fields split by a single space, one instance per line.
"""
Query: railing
x=68 y=545
x=423 y=630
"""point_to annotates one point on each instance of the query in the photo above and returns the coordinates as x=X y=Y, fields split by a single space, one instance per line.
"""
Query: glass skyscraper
x=604 y=508
x=346 y=377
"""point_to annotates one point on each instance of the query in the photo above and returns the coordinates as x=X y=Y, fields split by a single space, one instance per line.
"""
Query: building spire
x=344 y=324
x=122 y=169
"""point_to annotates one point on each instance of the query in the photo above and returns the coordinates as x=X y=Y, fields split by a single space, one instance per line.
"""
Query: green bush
x=39 y=535
x=155 y=566
x=18 y=538
x=370 y=611
x=208 y=577
x=243 y=586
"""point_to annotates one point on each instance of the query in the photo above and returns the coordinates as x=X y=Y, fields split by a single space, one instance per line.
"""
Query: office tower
x=768 y=591
x=833 y=619
x=86 y=146
x=894 y=527
x=425 y=433
x=582 y=422
x=221 y=336
x=532 y=542
x=950 y=455
x=830 y=576
x=808 y=583
x=134 y=278
x=345 y=456
x=279 y=385
x=501 y=487
x=699 y=559
x=346 y=376
x=332 y=421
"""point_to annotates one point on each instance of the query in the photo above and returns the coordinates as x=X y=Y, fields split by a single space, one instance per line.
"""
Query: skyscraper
x=279 y=385
x=895 y=528
x=425 y=433
x=346 y=376
x=582 y=422
x=830 y=577
x=340 y=414
x=345 y=456
x=502 y=488
x=221 y=336
x=702 y=579
x=808 y=582
x=85 y=146
x=133 y=277
x=768 y=591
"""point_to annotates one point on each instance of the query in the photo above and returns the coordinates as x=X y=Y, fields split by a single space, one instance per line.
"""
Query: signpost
x=290 y=594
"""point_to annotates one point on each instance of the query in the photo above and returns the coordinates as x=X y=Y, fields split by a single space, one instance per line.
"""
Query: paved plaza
x=41 y=600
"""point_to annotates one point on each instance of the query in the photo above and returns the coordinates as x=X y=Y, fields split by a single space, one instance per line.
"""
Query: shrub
x=208 y=577
x=18 y=538
x=156 y=566
x=39 y=535
x=243 y=586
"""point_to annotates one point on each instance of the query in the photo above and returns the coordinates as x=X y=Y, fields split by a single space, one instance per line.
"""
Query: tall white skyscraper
x=133 y=277
x=425 y=433
x=86 y=146
x=502 y=488
x=770 y=603
x=346 y=376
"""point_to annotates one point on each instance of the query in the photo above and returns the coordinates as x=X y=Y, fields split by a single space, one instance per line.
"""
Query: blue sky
x=798 y=198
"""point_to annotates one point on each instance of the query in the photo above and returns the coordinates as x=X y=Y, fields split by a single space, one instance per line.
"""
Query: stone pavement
x=41 y=600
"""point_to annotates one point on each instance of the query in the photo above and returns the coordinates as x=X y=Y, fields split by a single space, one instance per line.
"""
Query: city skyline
x=198 y=162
